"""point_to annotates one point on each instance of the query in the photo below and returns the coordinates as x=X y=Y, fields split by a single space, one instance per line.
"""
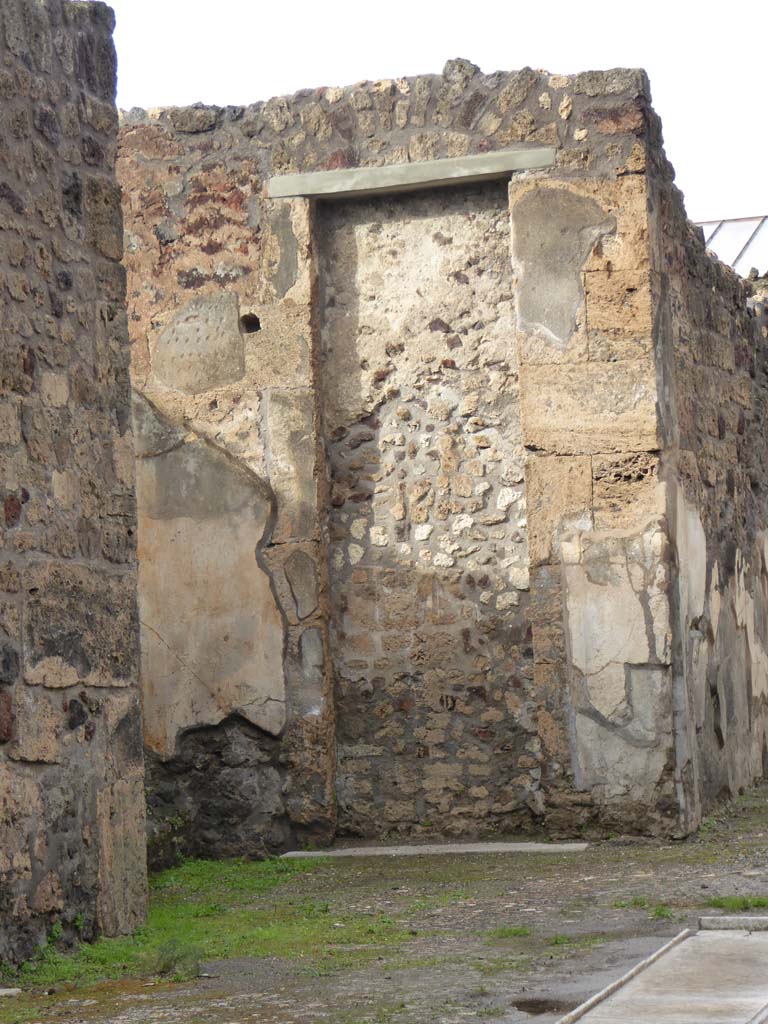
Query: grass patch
x=211 y=910
x=636 y=903
x=738 y=903
x=516 y=931
x=661 y=912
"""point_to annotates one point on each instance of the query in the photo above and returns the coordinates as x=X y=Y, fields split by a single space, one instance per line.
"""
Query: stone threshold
x=440 y=849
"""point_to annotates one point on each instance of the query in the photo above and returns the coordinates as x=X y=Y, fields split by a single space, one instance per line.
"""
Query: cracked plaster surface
x=619 y=641
x=212 y=633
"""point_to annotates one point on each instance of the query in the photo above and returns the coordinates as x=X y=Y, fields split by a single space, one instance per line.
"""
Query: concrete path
x=711 y=977
x=436 y=849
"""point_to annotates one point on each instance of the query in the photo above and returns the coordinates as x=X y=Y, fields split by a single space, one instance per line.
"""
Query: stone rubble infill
x=436 y=849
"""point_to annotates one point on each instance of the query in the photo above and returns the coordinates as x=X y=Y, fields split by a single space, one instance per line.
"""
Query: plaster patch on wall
x=283 y=267
x=553 y=233
x=726 y=661
x=212 y=634
x=202 y=347
x=618 y=634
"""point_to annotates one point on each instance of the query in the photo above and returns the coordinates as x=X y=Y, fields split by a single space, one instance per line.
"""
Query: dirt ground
x=509 y=937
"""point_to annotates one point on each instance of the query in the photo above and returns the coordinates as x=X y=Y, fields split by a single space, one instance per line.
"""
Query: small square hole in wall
x=250 y=323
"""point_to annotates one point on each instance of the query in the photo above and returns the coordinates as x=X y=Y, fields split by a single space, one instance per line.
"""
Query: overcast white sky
x=707 y=61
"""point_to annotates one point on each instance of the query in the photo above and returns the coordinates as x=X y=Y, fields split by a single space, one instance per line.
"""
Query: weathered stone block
x=39 y=727
x=590 y=407
x=302 y=578
x=6 y=715
x=103 y=217
x=120 y=829
x=626 y=490
x=559 y=497
x=619 y=314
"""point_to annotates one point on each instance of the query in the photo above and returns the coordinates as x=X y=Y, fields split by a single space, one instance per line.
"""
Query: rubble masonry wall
x=408 y=477
x=72 y=844
x=464 y=727
x=712 y=337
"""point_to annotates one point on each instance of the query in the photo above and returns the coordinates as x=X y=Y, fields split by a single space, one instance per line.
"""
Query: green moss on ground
x=203 y=911
x=738 y=904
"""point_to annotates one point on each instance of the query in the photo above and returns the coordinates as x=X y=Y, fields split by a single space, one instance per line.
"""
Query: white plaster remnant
x=461 y=524
x=199 y=660
x=519 y=578
x=358 y=528
x=619 y=654
x=506 y=498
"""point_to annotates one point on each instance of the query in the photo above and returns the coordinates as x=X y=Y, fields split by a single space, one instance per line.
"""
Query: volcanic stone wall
x=712 y=331
x=352 y=372
x=409 y=468
x=72 y=846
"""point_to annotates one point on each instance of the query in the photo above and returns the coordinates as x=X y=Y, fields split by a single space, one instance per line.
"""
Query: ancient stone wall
x=428 y=555
x=352 y=371
x=599 y=574
x=72 y=847
x=713 y=359
x=232 y=566
x=411 y=467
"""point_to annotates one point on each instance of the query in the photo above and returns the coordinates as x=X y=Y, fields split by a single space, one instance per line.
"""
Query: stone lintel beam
x=367 y=181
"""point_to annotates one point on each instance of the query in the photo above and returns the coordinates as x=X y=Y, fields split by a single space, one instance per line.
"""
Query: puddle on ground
x=536 y=1005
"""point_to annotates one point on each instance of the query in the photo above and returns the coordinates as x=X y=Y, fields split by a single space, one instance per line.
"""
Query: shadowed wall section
x=72 y=811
